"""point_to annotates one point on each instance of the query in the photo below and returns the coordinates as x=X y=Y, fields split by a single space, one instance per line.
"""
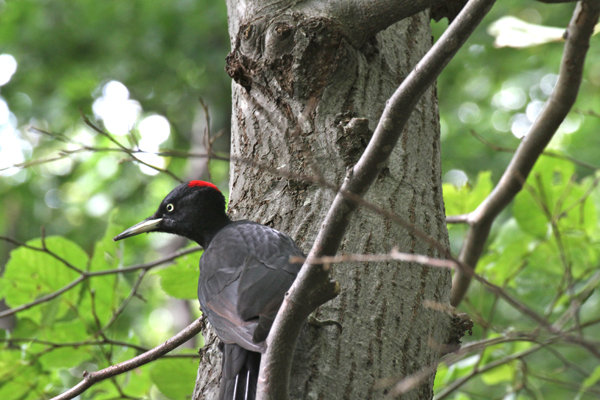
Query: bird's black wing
x=264 y=280
x=245 y=273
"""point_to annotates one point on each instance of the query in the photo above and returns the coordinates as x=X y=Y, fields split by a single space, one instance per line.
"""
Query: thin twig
x=87 y=275
x=43 y=249
x=121 y=308
x=91 y=378
x=459 y=382
x=394 y=255
x=126 y=150
x=556 y=109
x=548 y=153
x=87 y=343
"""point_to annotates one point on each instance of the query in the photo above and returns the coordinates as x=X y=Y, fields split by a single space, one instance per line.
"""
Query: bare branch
x=90 y=378
x=411 y=381
x=459 y=382
x=312 y=286
x=394 y=255
x=121 y=308
x=548 y=153
x=87 y=275
x=43 y=299
x=579 y=32
x=458 y=219
x=43 y=249
x=363 y=19
x=102 y=342
x=126 y=150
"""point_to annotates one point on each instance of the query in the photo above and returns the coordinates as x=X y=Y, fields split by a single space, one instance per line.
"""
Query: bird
x=245 y=271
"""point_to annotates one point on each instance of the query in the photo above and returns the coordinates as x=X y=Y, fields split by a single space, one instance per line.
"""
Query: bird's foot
x=314 y=321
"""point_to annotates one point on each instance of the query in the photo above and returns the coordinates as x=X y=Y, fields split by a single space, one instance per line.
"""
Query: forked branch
x=312 y=287
x=563 y=97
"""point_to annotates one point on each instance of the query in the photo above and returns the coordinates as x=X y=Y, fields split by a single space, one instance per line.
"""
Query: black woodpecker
x=244 y=274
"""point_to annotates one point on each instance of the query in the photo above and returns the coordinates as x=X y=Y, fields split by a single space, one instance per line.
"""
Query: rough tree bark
x=307 y=94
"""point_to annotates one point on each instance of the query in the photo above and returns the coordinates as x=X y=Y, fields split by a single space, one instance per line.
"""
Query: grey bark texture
x=305 y=101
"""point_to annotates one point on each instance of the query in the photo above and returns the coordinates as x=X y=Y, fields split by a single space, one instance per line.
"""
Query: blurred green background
x=138 y=69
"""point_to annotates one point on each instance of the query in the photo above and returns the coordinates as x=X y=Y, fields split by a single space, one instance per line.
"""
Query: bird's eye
x=170 y=207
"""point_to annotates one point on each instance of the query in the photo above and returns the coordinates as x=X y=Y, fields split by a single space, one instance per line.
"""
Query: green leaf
x=466 y=199
x=508 y=252
x=105 y=254
x=441 y=377
x=64 y=357
x=107 y=288
x=136 y=382
x=25 y=328
x=591 y=380
x=181 y=279
x=577 y=210
x=548 y=186
x=480 y=191
x=31 y=274
x=502 y=373
x=65 y=332
x=175 y=378
x=19 y=382
x=530 y=216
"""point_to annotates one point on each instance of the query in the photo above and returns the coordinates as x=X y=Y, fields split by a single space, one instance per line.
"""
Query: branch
x=408 y=382
x=363 y=19
x=459 y=382
x=124 y=304
x=312 y=286
x=87 y=275
x=545 y=345
x=548 y=153
x=458 y=219
x=591 y=347
x=43 y=299
x=394 y=255
x=42 y=249
x=126 y=150
x=90 y=378
x=564 y=95
x=103 y=342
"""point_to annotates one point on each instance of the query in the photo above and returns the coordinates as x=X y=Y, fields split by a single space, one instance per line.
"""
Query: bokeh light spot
x=456 y=177
x=534 y=109
x=511 y=98
x=154 y=130
x=98 y=205
x=8 y=67
x=469 y=113
x=118 y=112
x=520 y=125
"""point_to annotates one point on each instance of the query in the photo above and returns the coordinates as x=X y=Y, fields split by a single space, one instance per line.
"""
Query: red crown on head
x=202 y=184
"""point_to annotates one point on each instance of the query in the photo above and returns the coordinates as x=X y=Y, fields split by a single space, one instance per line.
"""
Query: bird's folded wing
x=262 y=287
x=244 y=286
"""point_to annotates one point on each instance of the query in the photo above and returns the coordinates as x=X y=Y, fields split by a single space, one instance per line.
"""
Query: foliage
x=165 y=55
x=98 y=322
x=546 y=255
x=544 y=250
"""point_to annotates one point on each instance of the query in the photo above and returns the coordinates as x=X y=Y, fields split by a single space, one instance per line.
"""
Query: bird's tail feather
x=239 y=373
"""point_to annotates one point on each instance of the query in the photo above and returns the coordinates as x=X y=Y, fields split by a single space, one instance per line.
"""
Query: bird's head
x=195 y=210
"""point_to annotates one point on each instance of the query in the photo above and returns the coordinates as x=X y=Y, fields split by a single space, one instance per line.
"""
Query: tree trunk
x=305 y=101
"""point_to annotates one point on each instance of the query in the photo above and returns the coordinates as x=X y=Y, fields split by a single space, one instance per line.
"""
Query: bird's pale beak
x=146 y=225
